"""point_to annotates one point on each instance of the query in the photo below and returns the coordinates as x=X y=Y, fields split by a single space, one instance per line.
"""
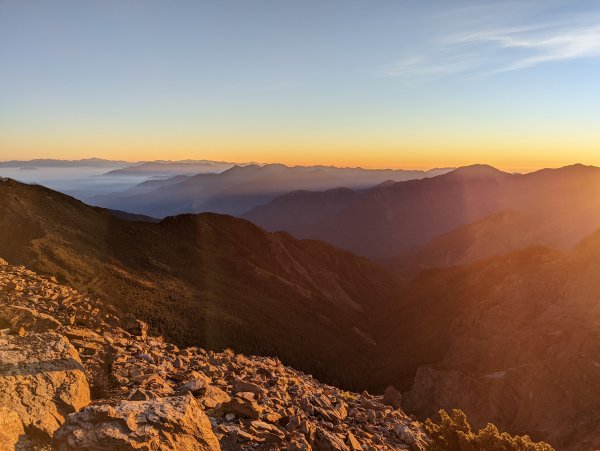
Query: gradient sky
x=348 y=82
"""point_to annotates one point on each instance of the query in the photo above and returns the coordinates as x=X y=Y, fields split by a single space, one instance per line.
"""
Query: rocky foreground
x=76 y=374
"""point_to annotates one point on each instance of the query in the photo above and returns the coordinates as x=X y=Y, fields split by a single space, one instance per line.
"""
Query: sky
x=390 y=83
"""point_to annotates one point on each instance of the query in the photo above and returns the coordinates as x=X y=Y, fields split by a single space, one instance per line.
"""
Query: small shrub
x=349 y=396
x=453 y=433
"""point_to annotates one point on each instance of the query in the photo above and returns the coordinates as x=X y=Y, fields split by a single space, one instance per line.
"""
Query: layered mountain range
x=171 y=168
x=54 y=163
x=500 y=318
x=556 y=207
x=239 y=188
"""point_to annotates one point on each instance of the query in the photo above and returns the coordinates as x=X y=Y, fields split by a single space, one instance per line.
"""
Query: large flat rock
x=42 y=380
x=176 y=423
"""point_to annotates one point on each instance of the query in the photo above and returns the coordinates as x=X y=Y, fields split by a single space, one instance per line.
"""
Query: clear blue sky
x=377 y=83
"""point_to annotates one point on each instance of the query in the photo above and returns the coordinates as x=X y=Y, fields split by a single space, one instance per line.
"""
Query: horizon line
x=531 y=167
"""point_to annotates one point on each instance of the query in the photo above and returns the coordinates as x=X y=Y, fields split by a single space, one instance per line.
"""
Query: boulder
x=29 y=320
x=214 y=397
x=82 y=334
x=404 y=433
x=176 y=423
x=242 y=407
x=392 y=397
x=322 y=406
x=41 y=380
x=353 y=443
x=136 y=327
x=328 y=441
x=240 y=385
x=196 y=387
x=141 y=395
x=267 y=431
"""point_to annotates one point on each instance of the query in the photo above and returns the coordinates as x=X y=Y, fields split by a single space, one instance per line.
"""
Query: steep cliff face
x=58 y=346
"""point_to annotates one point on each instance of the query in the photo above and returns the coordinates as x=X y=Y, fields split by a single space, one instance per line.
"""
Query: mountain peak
x=573 y=171
x=579 y=168
x=385 y=184
x=238 y=168
x=477 y=171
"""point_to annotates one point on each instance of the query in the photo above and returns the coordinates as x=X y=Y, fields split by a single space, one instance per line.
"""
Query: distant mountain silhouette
x=172 y=168
x=392 y=219
x=240 y=188
x=52 y=163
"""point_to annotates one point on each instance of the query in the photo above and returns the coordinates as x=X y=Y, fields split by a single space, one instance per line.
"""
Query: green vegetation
x=453 y=433
x=349 y=396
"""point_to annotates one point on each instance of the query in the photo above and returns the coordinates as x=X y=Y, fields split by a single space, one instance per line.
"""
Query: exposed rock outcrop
x=26 y=320
x=41 y=380
x=392 y=397
x=167 y=423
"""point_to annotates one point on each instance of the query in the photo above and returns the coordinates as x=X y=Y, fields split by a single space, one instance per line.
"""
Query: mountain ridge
x=207 y=269
x=57 y=163
x=390 y=220
x=239 y=188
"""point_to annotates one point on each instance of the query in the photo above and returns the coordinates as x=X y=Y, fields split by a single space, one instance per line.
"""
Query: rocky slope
x=77 y=374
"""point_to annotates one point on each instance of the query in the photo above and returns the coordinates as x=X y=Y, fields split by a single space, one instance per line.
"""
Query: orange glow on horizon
x=412 y=152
